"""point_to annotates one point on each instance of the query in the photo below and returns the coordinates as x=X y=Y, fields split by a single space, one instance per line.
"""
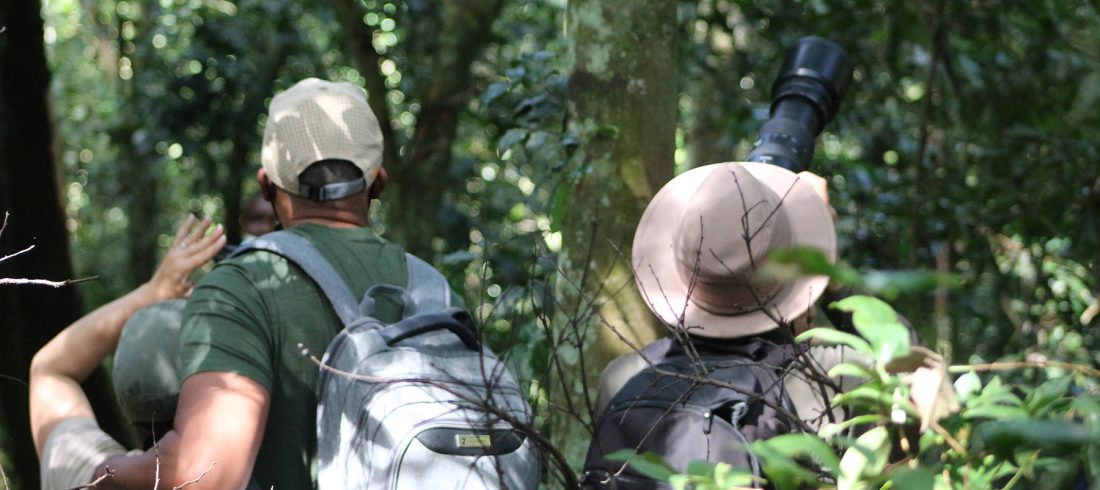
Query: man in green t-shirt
x=247 y=405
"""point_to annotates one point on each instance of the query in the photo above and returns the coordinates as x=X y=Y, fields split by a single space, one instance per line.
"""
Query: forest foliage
x=966 y=149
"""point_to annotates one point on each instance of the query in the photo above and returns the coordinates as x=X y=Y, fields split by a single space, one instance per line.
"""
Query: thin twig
x=21 y=252
x=13 y=378
x=156 y=454
x=197 y=478
x=1008 y=366
x=42 y=282
x=5 y=225
x=109 y=473
x=7 y=484
x=950 y=439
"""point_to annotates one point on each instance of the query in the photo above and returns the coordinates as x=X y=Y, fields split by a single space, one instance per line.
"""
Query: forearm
x=77 y=350
x=58 y=368
x=141 y=471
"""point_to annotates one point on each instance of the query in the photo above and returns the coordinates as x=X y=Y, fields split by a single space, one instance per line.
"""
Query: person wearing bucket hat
x=698 y=257
x=248 y=397
x=69 y=443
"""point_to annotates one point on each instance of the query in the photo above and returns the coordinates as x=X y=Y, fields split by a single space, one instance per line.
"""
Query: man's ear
x=267 y=188
x=379 y=184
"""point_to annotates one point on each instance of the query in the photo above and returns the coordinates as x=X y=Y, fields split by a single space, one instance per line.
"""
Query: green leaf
x=561 y=204
x=648 y=464
x=850 y=369
x=994 y=412
x=828 y=431
x=727 y=477
x=510 y=138
x=1051 y=436
x=792 y=262
x=799 y=445
x=877 y=322
x=833 y=336
x=494 y=90
x=1040 y=400
x=871 y=396
x=890 y=284
x=608 y=131
x=867 y=457
x=919 y=478
x=700 y=468
x=968 y=385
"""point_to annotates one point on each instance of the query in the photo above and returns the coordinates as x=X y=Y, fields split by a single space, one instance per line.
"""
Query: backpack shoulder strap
x=427 y=287
x=300 y=251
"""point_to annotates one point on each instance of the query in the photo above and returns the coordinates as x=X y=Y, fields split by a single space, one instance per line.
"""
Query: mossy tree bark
x=623 y=94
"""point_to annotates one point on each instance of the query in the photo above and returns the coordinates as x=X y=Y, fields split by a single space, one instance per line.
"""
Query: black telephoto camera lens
x=805 y=97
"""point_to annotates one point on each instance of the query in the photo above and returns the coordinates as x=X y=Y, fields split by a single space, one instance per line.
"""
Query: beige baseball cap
x=317 y=120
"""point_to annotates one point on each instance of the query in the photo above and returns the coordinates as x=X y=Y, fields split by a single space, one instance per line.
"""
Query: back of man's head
x=321 y=141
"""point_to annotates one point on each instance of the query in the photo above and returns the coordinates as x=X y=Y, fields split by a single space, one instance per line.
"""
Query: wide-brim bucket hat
x=704 y=237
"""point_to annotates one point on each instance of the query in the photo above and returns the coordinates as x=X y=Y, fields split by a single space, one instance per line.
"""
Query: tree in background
x=32 y=314
x=622 y=94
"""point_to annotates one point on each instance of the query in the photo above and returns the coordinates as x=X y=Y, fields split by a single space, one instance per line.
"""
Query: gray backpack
x=417 y=404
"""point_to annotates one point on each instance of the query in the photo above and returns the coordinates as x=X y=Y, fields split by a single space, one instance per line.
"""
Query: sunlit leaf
x=836 y=337
x=648 y=464
x=919 y=478
x=510 y=138
x=877 y=322
x=850 y=369
x=968 y=385
x=868 y=456
x=800 y=445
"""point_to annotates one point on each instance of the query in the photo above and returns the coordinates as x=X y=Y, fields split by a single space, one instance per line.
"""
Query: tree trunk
x=29 y=191
x=623 y=94
x=624 y=77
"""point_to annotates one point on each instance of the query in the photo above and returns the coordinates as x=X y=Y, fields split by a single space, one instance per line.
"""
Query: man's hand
x=191 y=248
x=820 y=186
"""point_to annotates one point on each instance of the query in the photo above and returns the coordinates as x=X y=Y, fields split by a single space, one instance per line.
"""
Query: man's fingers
x=183 y=230
x=207 y=247
x=198 y=231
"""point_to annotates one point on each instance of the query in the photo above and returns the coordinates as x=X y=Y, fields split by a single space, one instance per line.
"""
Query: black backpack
x=682 y=420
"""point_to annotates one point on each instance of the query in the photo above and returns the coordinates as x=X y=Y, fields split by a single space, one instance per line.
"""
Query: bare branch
x=7 y=484
x=21 y=252
x=4 y=281
x=156 y=454
x=110 y=473
x=197 y=478
x=5 y=225
x=1008 y=366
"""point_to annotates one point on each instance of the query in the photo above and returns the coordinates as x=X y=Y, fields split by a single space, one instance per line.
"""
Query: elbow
x=39 y=363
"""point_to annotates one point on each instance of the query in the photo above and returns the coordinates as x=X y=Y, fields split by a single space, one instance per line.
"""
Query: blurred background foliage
x=966 y=145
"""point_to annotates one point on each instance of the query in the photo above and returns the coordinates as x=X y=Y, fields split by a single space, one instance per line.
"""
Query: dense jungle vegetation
x=525 y=137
